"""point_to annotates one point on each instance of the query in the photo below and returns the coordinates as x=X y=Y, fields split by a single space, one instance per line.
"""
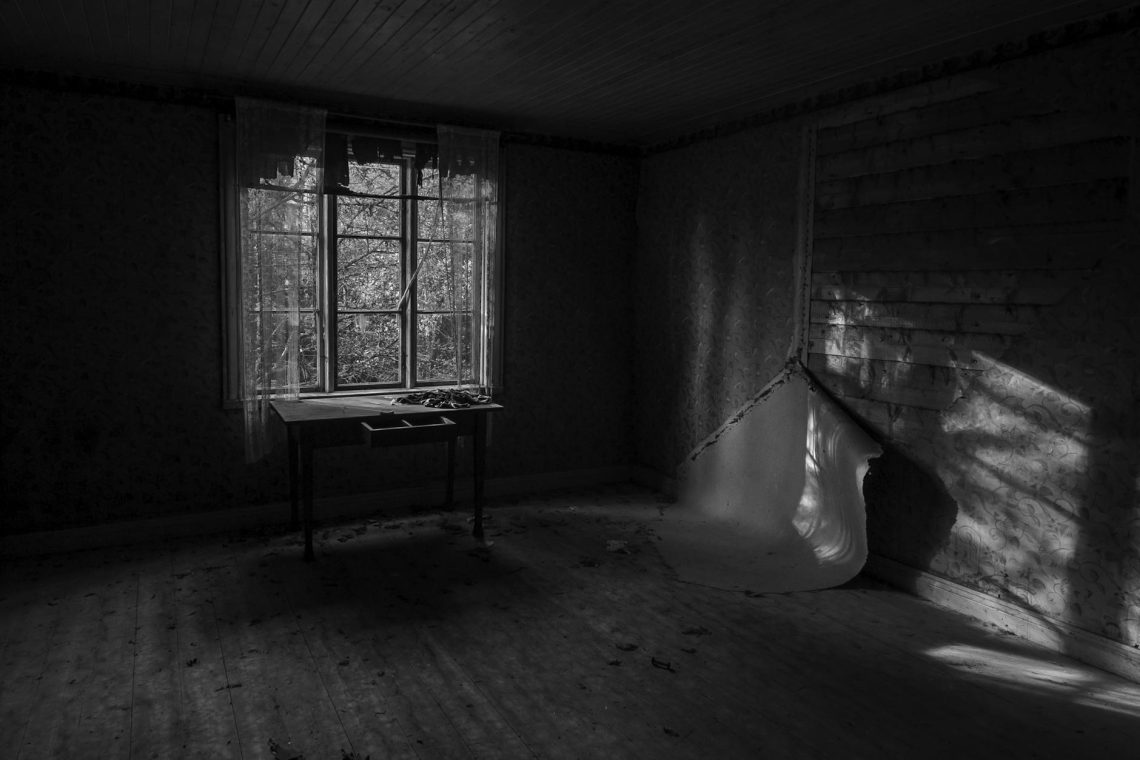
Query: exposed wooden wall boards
x=888 y=381
x=941 y=90
x=970 y=256
x=1044 y=286
x=1097 y=201
x=1038 y=246
x=944 y=226
x=996 y=118
x=1007 y=172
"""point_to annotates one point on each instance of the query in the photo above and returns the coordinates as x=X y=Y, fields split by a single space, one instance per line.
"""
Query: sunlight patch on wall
x=1021 y=483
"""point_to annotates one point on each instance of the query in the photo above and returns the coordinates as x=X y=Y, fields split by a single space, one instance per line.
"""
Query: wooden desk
x=374 y=421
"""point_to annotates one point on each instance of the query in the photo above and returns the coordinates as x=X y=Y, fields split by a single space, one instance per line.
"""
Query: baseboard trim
x=393 y=501
x=1056 y=635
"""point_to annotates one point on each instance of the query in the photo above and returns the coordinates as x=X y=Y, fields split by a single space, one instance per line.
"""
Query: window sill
x=236 y=405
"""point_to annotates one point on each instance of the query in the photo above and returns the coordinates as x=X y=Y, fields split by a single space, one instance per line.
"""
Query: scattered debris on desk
x=445 y=399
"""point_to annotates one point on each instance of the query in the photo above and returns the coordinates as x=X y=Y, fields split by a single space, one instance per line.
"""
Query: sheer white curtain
x=469 y=192
x=279 y=164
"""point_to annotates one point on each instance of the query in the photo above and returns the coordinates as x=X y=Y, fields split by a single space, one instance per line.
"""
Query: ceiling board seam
x=339 y=71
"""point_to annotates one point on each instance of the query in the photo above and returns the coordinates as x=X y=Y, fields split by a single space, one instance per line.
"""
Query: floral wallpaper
x=112 y=320
x=713 y=284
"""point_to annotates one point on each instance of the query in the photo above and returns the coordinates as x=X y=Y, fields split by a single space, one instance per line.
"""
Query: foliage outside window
x=355 y=262
x=397 y=295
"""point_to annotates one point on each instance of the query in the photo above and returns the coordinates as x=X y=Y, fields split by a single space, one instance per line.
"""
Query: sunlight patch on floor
x=1082 y=684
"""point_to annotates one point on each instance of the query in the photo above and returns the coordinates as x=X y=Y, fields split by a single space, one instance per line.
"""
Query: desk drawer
x=402 y=430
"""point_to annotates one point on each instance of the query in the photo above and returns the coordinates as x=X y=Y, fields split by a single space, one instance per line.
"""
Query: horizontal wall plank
x=896 y=422
x=1030 y=247
x=1029 y=133
x=977 y=318
x=947 y=89
x=1042 y=286
x=1066 y=164
x=913 y=385
x=986 y=106
x=1103 y=200
x=927 y=347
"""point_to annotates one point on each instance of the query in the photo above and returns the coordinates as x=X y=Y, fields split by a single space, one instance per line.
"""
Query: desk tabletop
x=347 y=408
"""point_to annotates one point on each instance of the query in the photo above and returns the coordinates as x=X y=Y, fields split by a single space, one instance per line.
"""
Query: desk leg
x=479 y=443
x=305 y=454
x=294 y=478
x=450 y=471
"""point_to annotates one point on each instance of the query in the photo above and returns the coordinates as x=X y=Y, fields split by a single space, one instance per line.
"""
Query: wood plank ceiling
x=632 y=72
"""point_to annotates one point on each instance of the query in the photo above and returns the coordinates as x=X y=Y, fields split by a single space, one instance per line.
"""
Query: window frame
x=327 y=309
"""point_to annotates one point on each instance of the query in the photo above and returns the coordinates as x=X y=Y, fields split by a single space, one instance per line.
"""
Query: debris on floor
x=282 y=753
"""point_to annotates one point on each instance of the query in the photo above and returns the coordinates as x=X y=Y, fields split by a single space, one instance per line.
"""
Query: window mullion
x=411 y=252
x=328 y=305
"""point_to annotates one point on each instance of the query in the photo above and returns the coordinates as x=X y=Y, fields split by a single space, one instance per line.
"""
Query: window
x=353 y=264
x=396 y=306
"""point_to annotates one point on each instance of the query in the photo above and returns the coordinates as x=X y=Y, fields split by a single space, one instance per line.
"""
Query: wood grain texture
x=1096 y=201
x=1035 y=286
x=1008 y=172
x=409 y=640
x=990 y=139
x=635 y=72
x=1039 y=246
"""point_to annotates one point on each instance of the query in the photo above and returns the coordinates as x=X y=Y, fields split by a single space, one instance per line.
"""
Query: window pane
x=279 y=256
x=462 y=220
x=429 y=210
x=368 y=348
x=438 y=339
x=368 y=273
x=374 y=179
x=443 y=284
x=276 y=352
x=431 y=221
x=368 y=216
x=281 y=211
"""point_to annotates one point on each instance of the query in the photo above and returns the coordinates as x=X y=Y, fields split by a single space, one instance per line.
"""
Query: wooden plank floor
x=566 y=637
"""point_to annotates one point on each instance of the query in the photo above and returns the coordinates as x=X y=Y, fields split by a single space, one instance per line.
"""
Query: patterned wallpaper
x=713 y=284
x=568 y=343
x=111 y=320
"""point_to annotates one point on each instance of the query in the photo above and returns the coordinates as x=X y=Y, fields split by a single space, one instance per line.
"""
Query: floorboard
x=565 y=636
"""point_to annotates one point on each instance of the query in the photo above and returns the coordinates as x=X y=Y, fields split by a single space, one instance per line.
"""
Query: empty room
x=539 y=379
